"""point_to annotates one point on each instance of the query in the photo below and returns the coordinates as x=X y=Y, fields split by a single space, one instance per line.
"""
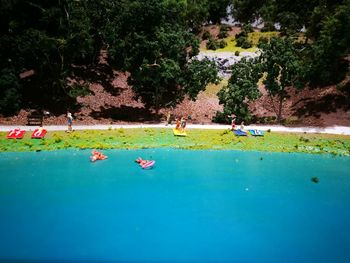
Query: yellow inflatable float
x=178 y=132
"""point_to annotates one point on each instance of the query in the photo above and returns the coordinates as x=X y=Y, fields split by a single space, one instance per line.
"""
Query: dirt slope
x=309 y=107
x=112 y=102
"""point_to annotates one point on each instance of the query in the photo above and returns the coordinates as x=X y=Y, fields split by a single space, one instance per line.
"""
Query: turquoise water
x=194 y=206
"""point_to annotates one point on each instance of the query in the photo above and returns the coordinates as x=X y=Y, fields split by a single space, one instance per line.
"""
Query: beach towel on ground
x=239 y=133
x=256 y=132
x=15 y=134
x=38 y=133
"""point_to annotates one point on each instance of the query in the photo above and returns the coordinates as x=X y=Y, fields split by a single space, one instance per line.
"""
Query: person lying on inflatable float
x=145 y=163
x=96 y=155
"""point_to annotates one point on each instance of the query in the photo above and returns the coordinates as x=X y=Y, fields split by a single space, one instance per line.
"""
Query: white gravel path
x=344 y=130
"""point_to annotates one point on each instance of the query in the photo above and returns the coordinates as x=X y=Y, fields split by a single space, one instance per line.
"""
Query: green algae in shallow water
x=197 y=139
x=315 y=179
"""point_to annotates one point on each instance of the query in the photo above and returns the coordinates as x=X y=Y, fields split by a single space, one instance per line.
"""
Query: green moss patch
x=252 y=37
x=196 y=139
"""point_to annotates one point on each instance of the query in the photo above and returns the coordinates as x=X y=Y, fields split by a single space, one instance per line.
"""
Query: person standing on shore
x=70 y=121
x=233 y=124
x=242 y=126
x=183 y=122
x=168 y=118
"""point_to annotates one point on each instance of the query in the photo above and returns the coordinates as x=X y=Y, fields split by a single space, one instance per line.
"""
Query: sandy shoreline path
x=342 y=130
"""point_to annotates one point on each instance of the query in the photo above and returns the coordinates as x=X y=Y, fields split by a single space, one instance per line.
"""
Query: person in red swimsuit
x=96 y=155
x=233 y=124
x=141 y=162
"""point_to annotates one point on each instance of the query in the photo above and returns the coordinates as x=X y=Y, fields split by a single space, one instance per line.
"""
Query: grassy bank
x=196 y=139
x=252 y=38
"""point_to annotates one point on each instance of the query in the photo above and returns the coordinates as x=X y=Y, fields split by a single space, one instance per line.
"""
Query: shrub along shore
x=140 y=138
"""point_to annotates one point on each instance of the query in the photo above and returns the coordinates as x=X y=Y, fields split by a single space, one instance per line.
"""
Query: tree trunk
x=273 y=105
x=279 y=115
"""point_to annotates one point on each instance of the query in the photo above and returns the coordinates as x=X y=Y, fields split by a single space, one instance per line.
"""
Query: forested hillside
x=54 y=52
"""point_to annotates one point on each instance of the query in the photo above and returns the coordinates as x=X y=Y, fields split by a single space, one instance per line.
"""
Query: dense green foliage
x=326 y=23
x=214 y=44
x=152 y=42
x=224 y=31
x=325 y=56
x=282 y=63
x=217 y=10
x=43 y=39
x=10 y=98
x=290 y=60
x=45 y=44
x=242 y=37
x=247 y=11
x=242 y=88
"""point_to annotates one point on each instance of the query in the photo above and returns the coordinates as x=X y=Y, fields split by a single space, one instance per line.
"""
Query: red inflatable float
x=16 y=134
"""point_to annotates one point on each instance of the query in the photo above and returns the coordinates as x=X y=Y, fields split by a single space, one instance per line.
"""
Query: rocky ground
x=319 y=107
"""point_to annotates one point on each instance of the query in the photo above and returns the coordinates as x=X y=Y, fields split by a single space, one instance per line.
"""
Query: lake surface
x=193 y=206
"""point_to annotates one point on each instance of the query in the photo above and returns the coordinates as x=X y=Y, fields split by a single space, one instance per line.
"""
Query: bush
x=10 y=98
x=268 y=27
x=242 y=34
x=246 y=44
x=242 y=40
x=221 y=117
x=225 y=27
x=245 y=30
x=221 y=44
x=206 y=35
x=248 y=28
x=263 y=41
x=224 y=31
x=237 y=53
x=222 y=34
x=212 y=44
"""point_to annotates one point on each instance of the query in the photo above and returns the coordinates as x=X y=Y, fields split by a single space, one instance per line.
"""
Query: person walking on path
x=70 y=121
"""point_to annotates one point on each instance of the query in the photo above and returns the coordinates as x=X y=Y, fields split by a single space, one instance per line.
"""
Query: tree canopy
x=282 y=64
x=242 y=88
x=325 y=23
x=151 y=41
x=325 y=57
x=48 y=40
x=44 y=43
x=44 y=38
